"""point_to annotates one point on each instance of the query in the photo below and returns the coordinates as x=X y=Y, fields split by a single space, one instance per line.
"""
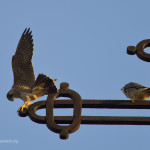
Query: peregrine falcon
x=25 y=86
x=135 y=91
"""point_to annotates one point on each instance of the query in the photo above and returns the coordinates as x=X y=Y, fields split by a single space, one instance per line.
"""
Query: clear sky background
x=82 y=42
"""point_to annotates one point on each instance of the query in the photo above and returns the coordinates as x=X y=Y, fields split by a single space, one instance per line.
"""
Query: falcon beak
x=12 y=100
x=10 y=97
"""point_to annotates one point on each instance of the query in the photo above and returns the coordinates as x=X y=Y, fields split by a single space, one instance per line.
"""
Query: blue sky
x=82 y=42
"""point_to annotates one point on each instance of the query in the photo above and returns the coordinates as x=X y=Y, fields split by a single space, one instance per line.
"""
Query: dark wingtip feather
x=28 y=30
x=25 y=31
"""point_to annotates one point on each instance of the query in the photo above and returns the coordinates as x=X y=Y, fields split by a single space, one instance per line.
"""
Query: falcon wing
x=22 y=61
x=138 y=86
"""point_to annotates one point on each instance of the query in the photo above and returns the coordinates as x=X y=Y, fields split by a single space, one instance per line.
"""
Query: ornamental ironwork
x=77 y=103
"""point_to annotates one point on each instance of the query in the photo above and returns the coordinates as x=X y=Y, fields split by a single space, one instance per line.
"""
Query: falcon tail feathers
x=45 y=84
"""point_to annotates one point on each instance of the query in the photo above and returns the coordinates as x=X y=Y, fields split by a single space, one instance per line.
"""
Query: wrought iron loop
x=49 y=120
x=64 y=130
x=139 y=50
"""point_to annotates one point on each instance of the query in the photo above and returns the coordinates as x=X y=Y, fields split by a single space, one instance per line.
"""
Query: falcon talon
x=21 y=109
x=133 y=100
x=25 y=86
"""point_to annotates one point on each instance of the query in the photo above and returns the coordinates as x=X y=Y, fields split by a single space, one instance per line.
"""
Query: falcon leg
x=133 y=100
x=25 y=105
x=22 y=107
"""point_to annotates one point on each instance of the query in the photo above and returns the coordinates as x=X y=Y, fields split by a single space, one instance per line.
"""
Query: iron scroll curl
x=139 y=50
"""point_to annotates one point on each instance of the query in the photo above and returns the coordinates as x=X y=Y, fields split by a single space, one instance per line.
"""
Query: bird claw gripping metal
x=49 y=119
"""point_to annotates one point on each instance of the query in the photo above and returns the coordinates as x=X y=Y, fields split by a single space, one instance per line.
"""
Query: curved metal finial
x=139 y=50
x=64 y=130
x=64 y=86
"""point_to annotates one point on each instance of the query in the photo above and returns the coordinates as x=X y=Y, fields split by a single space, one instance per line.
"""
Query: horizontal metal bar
x=105 y=120
x=114 y=104
x=114 y=120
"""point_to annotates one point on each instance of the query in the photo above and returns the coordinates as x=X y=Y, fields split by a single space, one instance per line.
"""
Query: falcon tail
x=44 y=85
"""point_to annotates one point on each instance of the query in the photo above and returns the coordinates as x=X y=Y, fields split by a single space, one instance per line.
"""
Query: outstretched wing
x=22 y=61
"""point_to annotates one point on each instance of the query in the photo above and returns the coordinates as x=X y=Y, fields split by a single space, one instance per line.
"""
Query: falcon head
x=10 y=96
x=123 y=90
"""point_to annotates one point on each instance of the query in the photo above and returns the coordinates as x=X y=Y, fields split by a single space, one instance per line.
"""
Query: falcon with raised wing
x=25 y=86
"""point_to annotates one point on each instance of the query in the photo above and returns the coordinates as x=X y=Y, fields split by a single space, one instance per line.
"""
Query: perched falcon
x=135 y=91
x=25 y=86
